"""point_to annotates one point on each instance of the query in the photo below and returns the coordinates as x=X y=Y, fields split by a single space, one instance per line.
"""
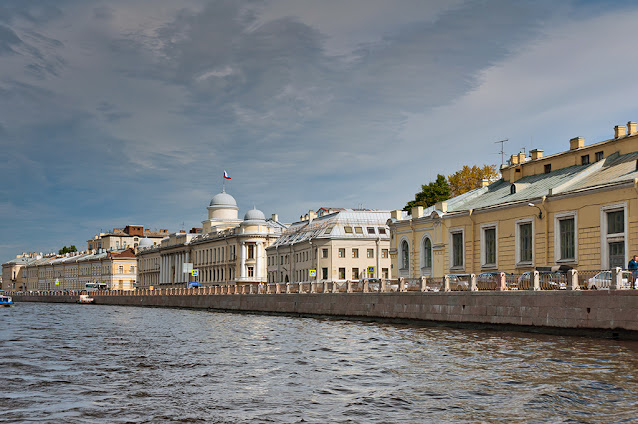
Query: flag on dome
x=226 y=176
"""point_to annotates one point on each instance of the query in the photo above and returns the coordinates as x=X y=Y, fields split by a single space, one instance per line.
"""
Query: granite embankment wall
x=606 y=313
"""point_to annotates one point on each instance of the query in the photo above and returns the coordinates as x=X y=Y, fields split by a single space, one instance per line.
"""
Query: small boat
x=6 y=301
x=84 y=298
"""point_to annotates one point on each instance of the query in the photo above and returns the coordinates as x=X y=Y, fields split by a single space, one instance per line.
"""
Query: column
x=162 y=268
x=258 y=261
x=242 y=260
x=377 y=272
x=176 y=273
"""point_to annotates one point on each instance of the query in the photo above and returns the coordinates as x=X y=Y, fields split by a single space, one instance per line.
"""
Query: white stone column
x=162 y=268
x=174 y=256
x=258 y=272
x=242 y=260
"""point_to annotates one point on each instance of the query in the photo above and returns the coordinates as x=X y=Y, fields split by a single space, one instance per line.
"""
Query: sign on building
x=370 y=270
x=312 y=272
x=195 y=272
x=187 y=268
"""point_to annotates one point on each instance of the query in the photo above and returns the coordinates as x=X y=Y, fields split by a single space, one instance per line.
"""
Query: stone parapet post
x=616 y=279
x=382 y=285
x=401 y=284
x=572 y=280
x=473 y=285
x=287 y=287
x=536 y=282
x=335 y=287
x=446 y=283
x=348 y=286
x=424 y=284
x=366 y=286
x=502 y=282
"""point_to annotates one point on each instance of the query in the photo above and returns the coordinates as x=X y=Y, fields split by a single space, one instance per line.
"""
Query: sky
x=128 y=112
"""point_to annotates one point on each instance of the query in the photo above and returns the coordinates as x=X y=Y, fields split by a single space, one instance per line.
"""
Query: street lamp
x=540 y=212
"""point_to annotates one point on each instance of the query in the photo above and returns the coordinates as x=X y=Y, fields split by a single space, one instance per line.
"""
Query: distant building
x=228 y=250
x=577 y=208
x=125 y=238
x=14 y=276
x=335 y=243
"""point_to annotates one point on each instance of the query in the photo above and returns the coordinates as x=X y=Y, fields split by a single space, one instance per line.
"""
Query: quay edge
x=606 y=314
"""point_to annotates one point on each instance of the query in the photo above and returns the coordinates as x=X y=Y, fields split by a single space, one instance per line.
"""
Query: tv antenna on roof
x=502 y=152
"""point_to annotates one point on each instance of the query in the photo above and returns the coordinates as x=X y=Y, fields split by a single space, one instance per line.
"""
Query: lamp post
x=540 y=212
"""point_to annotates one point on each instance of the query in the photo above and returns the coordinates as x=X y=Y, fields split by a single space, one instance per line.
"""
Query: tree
x=65 y=249
x=431 y=193
x=470 y=178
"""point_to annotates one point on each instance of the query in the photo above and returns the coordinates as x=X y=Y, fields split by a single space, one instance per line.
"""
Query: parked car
x=549 y=280
x=492 y=279
x=459 y=282
x=602 y=280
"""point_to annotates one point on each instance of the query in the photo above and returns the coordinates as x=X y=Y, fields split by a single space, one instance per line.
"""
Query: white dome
x=145 y=242
x=254 y=215
x=223 y=199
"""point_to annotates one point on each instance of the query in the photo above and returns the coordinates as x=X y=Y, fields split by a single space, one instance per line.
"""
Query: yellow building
x=229 y=250
x=336 y=244
x=577 y=208
x=124 y=238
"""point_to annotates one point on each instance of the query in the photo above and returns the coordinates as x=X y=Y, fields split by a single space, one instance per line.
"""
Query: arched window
x=405 y=255
x=427 y=253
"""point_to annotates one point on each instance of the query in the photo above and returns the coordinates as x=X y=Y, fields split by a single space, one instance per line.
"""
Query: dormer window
x=513 y=189
x=548 y=168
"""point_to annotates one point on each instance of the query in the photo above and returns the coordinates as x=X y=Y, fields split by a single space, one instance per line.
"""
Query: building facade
x=335 y=244
x=228 y=251
x=125 y=238
x=577 y=208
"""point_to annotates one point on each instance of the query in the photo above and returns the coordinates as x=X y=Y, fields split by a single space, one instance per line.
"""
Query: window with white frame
x=457 y=254
x=613 y=233
x=525 y=242
x=426 y=254
x=489 y=251
x=405 y=255
x=565 y=237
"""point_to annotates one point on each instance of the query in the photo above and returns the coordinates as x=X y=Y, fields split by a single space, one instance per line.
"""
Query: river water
x=71 y=363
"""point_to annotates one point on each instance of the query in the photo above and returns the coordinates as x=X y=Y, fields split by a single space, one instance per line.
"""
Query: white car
x=602 y=280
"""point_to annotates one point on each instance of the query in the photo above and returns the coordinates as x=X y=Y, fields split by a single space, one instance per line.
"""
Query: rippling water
x=97 y=363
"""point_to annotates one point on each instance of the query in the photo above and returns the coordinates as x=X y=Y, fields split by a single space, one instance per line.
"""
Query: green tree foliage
x=470 y=178
x=69 y=249
x=431 y=193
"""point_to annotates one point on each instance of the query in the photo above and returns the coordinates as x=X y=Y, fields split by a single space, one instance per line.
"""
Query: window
x=565 y=237
x=355 y=253
x=370 y=253
x=324 y=273
x=132 y=270
x=427 y=253
x=384 y=272
x=405 y=255
x=355 y=273
x=342 y=252
x=457 y=249
x=384 y=253
x=251 y=271
x=548 y=168
x=584 y=160
x=371 y=230
x=488 y=246
x=613 y=236
x=251 y=251
x=324 y=253
x=329 y=229
x=525 y=240
x=348 y=230
x=281 y=260
x=121 y=269
x=599 y=156
x=342 y=273
x=358 y=230
x=381 y=230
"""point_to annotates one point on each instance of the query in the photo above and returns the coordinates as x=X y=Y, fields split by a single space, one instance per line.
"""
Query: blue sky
x=118 y=112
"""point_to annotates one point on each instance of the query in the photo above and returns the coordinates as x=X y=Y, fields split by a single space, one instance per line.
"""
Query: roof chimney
x=576 y=143
x=631 y=127
x=485 y=182
x=417 y=212
x=521 y=157
x=395 y=214
x=514 y=160
x=441 y=206
x=619 y=131
x=536 y=153
x=275 y=217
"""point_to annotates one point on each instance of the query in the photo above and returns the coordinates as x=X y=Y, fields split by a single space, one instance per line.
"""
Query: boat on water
x=6 y=301
x=85 y=298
